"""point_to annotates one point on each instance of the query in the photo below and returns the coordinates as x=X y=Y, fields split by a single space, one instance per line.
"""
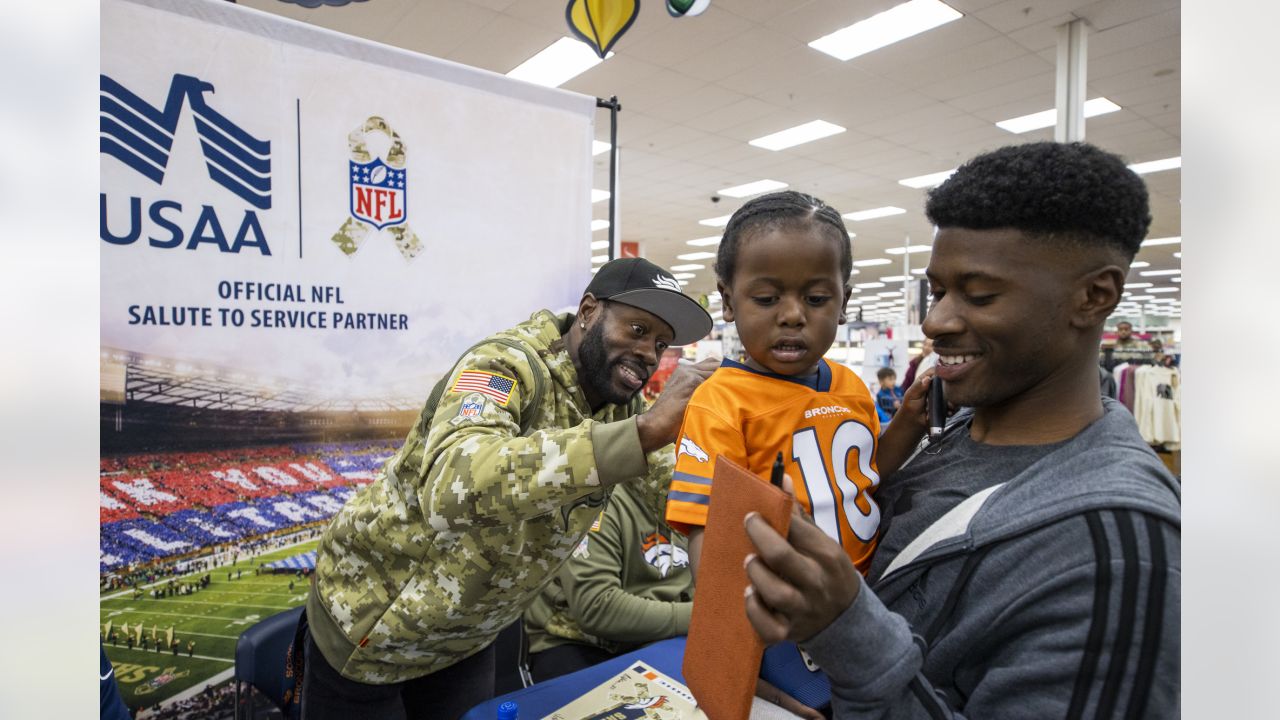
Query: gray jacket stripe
x=1118 y=663
x=1098 y=627
x=1152 y=629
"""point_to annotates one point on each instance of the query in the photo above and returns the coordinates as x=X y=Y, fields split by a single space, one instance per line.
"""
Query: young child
x=782 y=269
x=889 y=396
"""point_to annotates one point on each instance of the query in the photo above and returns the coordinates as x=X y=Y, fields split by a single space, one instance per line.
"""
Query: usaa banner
x=299 y=232
x=292 y=219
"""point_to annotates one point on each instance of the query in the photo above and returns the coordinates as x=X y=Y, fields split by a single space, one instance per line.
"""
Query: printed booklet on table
x=637 y=692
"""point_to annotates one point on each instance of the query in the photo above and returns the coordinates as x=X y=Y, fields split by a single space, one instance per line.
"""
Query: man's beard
x=597 y=371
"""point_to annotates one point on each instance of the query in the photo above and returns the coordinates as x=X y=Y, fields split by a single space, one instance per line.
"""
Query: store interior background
x=696 y=91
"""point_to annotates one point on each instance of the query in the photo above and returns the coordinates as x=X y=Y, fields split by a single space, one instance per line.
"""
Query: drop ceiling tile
x=1139 y=32
x=742 y=111
x=1013 y=15
x=963 y=61
x=753 y=48
x=1032 y=84
x=438 y=29
x=1161 y=54
x=502 y=45
x=702 y=99
x=678 y=40
x=990 y=82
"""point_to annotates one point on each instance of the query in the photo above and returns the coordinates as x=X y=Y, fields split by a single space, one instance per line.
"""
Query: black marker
x=775 y=477
x=937 y=409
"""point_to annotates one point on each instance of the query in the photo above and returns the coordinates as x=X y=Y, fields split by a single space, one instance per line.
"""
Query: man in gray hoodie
x=1029 y=559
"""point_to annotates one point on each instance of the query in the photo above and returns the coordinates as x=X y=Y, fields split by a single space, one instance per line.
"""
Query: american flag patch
x=498 y=387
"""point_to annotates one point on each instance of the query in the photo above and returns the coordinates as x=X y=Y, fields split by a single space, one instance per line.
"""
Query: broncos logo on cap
x=667 y=283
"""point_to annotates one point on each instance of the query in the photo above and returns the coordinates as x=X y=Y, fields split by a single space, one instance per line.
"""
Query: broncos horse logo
x=660 y=553
x=689 y=447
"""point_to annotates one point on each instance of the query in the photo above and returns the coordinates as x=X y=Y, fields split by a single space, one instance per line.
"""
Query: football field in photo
x=213 y=618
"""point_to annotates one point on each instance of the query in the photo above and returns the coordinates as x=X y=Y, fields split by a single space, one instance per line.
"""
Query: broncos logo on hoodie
x=660 y=553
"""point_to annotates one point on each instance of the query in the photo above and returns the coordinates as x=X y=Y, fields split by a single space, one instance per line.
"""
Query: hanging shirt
x=824 y=425
x=1158 y=406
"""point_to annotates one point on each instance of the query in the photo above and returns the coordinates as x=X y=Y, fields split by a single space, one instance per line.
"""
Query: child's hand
x=914 y=409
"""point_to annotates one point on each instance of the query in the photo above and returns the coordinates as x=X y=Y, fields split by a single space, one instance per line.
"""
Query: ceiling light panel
x=909 y=249
x=558 y=63
x=1157 y=165
x=871 y=262
x=798 y=135
x=753 y=188
x=702 y=255
x=873 y=213
x=924 y=181
x=1049 y=118
x=893 y=25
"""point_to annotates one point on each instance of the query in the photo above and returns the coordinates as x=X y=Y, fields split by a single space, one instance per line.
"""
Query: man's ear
x=726 y=306
x=588 y=307
x=844 y=304
x=1097 y=295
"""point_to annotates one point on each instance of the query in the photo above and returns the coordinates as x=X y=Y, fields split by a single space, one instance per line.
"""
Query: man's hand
x=659 y=424
x=798 y=585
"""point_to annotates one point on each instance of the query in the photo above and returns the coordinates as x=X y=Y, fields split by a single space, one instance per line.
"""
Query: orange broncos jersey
x=827 y=436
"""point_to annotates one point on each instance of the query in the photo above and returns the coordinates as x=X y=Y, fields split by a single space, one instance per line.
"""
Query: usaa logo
x=141 y=136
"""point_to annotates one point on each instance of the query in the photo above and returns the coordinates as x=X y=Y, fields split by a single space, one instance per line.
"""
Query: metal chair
x=511 y=659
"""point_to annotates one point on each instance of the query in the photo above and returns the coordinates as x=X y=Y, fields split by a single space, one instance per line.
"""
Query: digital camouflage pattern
x=469 y=520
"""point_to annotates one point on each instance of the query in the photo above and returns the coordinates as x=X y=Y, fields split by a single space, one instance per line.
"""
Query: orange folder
x=722 y=655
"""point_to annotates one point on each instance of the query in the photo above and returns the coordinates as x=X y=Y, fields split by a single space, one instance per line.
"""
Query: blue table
x=544 y=698
x=782 y=666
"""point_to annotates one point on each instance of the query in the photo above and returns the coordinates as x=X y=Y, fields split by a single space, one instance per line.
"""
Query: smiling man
x=1029 y=559
x=512 y=458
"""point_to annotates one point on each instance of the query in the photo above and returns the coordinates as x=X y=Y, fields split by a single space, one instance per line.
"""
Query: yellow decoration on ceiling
x=599 y=23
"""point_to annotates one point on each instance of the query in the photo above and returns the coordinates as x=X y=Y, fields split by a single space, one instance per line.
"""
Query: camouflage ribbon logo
x=379 y=193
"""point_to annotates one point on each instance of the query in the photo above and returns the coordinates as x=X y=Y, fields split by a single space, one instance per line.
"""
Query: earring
x=582 y=325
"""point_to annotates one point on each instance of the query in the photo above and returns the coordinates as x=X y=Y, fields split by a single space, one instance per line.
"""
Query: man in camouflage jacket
x=489 y=495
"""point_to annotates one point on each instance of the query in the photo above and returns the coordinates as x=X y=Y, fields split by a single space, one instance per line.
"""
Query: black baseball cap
x=639 y=283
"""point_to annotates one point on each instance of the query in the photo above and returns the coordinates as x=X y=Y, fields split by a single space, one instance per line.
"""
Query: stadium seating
x=158 y=505
x=260 y=657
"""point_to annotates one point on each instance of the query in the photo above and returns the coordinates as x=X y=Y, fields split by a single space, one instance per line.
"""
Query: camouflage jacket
x=469 y=520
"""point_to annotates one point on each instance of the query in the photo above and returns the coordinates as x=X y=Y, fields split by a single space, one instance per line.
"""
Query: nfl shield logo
x=472 y=405
x=378 y=194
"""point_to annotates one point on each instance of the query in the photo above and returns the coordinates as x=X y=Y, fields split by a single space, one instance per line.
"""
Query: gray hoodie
x=1054 y=592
